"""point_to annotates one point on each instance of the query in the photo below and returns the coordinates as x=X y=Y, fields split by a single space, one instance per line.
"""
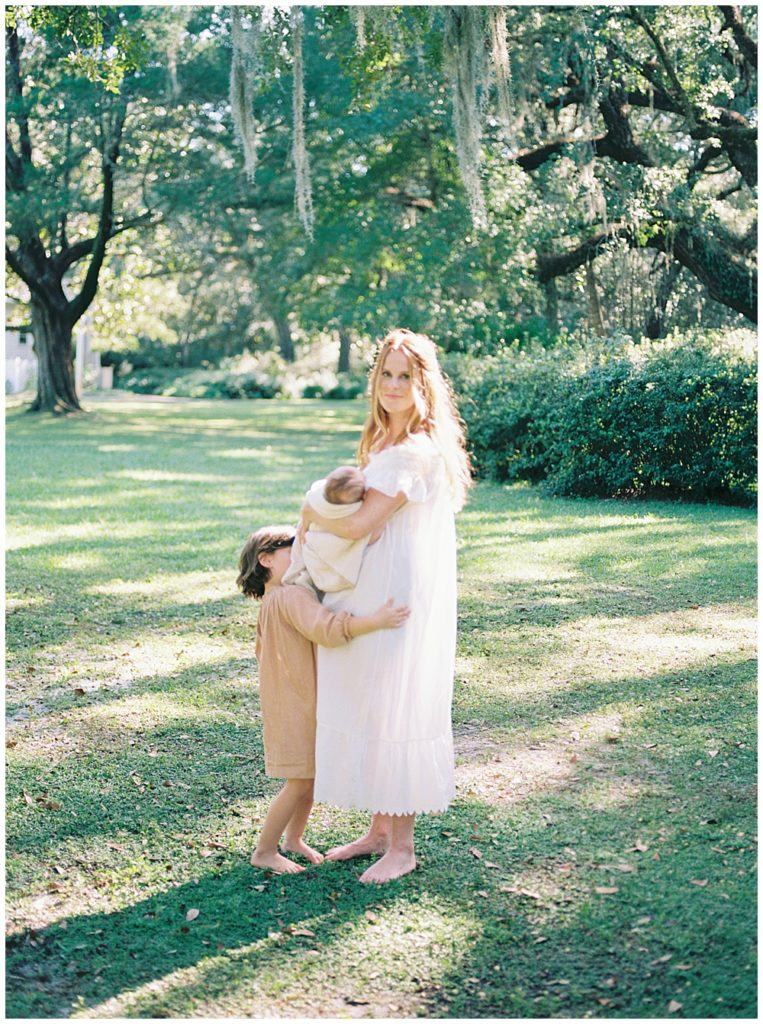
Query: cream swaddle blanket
x=326 y=562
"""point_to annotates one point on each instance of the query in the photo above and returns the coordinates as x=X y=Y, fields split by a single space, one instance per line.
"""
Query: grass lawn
x=599 y=858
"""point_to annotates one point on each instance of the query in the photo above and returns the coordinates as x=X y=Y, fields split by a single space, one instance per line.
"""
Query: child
x=323 y=561
x=291 y=620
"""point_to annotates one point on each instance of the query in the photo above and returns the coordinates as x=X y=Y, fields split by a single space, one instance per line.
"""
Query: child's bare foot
x=394 y=864
x=300 y=846
x=275 y=862
x=373 y=842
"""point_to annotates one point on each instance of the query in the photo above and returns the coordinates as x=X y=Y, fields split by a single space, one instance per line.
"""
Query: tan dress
x=291 y=621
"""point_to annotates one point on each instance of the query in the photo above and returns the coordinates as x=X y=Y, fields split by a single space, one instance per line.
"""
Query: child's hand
x=391 y=616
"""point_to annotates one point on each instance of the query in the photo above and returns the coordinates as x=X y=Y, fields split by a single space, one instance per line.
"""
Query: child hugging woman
x=290 y=622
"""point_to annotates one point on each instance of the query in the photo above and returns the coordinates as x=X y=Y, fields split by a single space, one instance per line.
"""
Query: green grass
x=598 y=860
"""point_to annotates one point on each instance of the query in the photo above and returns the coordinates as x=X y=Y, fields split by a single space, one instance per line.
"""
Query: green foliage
x=673 y=419
x=97 y=42
x=211 y=383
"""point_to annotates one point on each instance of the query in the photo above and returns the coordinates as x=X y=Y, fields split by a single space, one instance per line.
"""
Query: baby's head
x=344 y=486
x=252 y=574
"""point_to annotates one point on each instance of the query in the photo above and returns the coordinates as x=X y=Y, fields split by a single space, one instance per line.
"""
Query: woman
x=384 y=741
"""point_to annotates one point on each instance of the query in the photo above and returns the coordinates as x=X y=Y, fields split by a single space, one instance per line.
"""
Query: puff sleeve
x=403 y=467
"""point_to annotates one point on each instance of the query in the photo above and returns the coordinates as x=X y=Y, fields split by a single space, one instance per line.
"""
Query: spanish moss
x=303 y=191
x=464 y=62
x=244 y=67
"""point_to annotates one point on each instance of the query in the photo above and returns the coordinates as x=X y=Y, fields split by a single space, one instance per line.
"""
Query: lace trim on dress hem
x=355 y=806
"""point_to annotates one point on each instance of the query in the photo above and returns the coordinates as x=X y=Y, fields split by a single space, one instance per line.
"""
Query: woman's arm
x=372 y=515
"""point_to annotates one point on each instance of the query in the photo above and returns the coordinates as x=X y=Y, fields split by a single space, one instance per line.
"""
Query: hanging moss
x=245 y=65
x=303 y=187
x=499 y=52
x=465 y=70
x=358 y=18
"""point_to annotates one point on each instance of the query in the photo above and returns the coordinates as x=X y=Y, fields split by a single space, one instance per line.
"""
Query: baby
x=325 y=562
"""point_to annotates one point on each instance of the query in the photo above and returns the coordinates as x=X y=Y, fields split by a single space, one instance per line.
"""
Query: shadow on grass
x=520 y=946
x=542 y=941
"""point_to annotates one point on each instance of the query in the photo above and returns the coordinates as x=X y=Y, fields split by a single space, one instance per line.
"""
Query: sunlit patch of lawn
x=598 y=860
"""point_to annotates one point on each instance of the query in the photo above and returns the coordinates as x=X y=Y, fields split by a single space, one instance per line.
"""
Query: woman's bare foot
x=373 y=842
x=394 y=864
x=300 y=846
x=275 y=862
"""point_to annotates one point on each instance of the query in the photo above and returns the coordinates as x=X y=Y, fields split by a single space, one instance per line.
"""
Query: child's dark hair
x=252 y=576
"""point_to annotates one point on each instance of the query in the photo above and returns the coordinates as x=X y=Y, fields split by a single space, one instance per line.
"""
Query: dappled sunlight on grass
x=202 y=585
x=279 y=969
x=162 y=476
x=514 y=769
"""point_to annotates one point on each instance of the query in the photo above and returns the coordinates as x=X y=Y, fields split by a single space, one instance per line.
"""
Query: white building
x=21 y=361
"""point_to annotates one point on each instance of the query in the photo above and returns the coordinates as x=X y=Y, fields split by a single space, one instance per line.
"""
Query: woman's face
x=396 y=384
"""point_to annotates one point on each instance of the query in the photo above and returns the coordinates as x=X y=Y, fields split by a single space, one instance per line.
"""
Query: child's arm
x=372 y=515
x=332 y=629
x=389 y=616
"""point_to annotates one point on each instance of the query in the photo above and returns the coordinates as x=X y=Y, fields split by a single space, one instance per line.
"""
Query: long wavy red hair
x=433 y=413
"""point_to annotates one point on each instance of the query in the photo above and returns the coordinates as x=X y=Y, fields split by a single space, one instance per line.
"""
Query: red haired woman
x=384 y=739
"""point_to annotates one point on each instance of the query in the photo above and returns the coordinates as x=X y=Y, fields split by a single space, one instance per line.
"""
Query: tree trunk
x=552 y=304
x=285 y=340
x=52 y=330
x=594 y=305
x=344 y=351
x=655 y=323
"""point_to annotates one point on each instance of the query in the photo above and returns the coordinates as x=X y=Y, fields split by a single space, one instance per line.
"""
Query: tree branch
x=79 y=304
x=733 y=18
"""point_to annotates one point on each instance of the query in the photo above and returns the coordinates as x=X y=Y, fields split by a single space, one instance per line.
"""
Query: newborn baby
x=325 y=562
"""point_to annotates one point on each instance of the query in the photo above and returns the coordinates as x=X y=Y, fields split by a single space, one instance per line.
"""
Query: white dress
x=384 y=741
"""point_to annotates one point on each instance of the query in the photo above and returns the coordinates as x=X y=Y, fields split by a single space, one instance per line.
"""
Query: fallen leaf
x=701 y=882
x=662 y=959
x=641 y=846
x=606 y=890
x=445 y=832
x=136 y=779
x=153 y=753
x=625 y=868
x=610 y=982
x=603 y=1001
x=301 y=931
x=260 y=888
x=78 y=691
x=52 y=805
x=27 y=798
x=10 y=744
x=475 y=852
x=712 y=753
x=490 y=864
x=613 y=739
x=541 y=938
x=482 y=893
x=192 y=914
x=682 y=967
x=649 y=746
x=674 y=1006
x=371 y=916
x=530 y=894
x=207 y=853
x=356 y=1001
x=564 y=868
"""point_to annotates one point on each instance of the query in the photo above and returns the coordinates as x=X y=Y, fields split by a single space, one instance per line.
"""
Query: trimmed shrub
x=662 y=419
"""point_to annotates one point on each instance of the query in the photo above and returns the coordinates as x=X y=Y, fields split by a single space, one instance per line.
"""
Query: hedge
x=661 y=419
